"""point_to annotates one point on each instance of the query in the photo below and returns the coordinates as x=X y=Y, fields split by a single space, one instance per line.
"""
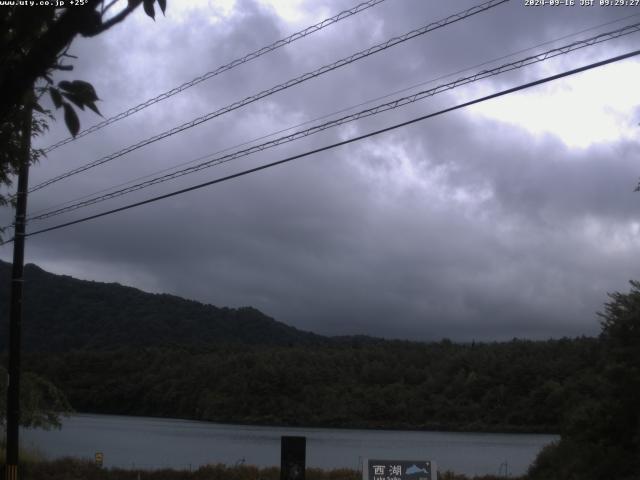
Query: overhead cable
x=283 y=86
x=221 y=69
x=399 y=102
x=344 y=142
x=328 y=115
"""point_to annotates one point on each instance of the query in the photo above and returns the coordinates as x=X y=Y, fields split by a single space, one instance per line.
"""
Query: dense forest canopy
x=114 y=349
x=514 y=386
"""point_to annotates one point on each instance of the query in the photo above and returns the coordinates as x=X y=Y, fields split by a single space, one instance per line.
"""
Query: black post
x=292 y=458
x=15 y=312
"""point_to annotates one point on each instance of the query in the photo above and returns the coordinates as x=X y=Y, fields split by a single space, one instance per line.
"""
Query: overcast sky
x=512 y=218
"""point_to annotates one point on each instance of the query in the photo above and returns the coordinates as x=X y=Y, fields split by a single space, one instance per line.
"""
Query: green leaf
x=148 y=8
x=71 y=119
x=93 y=107
x=55 y=97
x=84 y=90
x=65 y=86
x=74 y=99
x=163 y=5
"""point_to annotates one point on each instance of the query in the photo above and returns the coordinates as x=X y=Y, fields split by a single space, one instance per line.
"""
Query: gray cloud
x=459 y=227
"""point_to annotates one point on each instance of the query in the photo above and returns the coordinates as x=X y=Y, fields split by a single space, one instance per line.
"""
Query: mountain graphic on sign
x=413 y=469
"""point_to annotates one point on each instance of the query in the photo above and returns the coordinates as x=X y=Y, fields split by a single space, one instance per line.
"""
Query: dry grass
x=74 y=469
x=27 y=455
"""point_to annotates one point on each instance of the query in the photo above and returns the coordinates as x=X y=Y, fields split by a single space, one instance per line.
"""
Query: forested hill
x=114 y=349
x=62 y=313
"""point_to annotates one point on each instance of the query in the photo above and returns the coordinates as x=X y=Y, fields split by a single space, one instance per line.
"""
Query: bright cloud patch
x=214 y=10
x=295 y=11
x=592 y=107
x=616 y=239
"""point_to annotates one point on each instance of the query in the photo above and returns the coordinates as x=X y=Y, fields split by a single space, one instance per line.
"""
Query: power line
x=368 y=112
x=221 y=69
x=283 y=86
x=307 y=122
x=344 y=142
x=399 y=102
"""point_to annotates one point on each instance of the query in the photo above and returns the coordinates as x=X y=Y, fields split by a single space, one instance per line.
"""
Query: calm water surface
x=155 y=443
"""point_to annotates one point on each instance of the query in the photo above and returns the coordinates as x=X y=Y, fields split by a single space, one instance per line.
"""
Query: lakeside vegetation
x=586 y=389
x=513 y=386
x=73 y=469
x=35 y=466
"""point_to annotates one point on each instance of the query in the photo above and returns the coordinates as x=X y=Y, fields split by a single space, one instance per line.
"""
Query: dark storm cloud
x=458 y=227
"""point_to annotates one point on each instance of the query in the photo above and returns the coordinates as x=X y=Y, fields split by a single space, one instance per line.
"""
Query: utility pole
x=15 y=312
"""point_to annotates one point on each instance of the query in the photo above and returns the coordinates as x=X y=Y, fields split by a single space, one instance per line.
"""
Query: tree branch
x=44 y=53
x=106 y=9
x=115 y=19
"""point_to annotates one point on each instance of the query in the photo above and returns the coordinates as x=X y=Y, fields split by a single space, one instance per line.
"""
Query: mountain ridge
x=63 y=313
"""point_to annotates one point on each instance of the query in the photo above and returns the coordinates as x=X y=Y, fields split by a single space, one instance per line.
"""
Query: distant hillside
x=118 y=350
x=62 y=313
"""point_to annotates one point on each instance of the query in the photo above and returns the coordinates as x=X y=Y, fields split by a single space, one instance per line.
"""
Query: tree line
x=586 y=389
x=513 y=386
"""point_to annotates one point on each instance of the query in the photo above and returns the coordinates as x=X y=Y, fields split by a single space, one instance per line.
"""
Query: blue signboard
x=398 y=470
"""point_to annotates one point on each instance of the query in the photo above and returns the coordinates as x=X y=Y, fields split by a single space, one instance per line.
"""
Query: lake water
x=157 y=442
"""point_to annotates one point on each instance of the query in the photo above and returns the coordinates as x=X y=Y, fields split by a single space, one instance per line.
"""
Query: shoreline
x=155 y=442
x=496 y=430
